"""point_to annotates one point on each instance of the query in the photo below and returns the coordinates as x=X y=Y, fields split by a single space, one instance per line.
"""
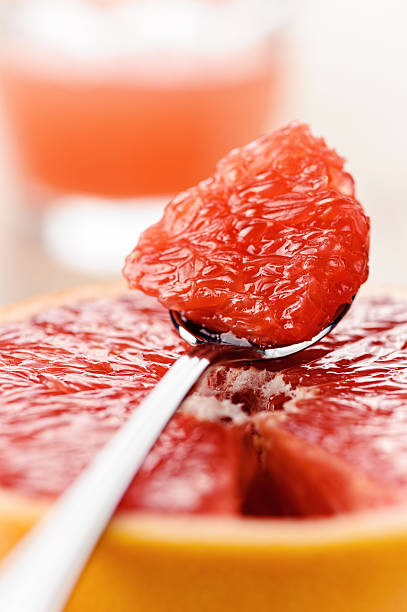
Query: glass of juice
x=115 y=105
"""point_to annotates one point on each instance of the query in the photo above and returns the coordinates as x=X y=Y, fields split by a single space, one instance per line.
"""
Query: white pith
x=207 y=403
x=212 y=409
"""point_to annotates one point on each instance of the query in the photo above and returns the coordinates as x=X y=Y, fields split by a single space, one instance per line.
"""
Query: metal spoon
x=41 y=571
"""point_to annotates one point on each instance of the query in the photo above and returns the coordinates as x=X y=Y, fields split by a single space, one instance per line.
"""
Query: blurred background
x=108 y=107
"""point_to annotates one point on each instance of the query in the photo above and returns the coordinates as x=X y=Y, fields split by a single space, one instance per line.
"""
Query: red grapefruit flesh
x=196 y=467
x=268 y=248
x=341 y=443
x=320 y=434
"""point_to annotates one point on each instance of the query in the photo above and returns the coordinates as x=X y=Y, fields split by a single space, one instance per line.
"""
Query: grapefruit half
x=147 y=561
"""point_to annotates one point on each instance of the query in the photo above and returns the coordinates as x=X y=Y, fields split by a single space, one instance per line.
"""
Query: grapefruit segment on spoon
x=270 y=247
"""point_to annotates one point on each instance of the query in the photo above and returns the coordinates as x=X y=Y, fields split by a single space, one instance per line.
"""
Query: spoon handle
x=41 y=571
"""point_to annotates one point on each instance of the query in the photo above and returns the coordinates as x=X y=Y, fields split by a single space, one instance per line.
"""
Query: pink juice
x=136 y=123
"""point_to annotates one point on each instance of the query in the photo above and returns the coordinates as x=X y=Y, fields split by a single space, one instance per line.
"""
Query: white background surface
x=353 y=90
x=349 y=82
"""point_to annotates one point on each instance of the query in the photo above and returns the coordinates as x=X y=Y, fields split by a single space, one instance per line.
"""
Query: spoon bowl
x=195 y=335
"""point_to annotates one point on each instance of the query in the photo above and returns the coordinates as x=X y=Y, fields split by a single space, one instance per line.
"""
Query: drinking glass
x=114 y=106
